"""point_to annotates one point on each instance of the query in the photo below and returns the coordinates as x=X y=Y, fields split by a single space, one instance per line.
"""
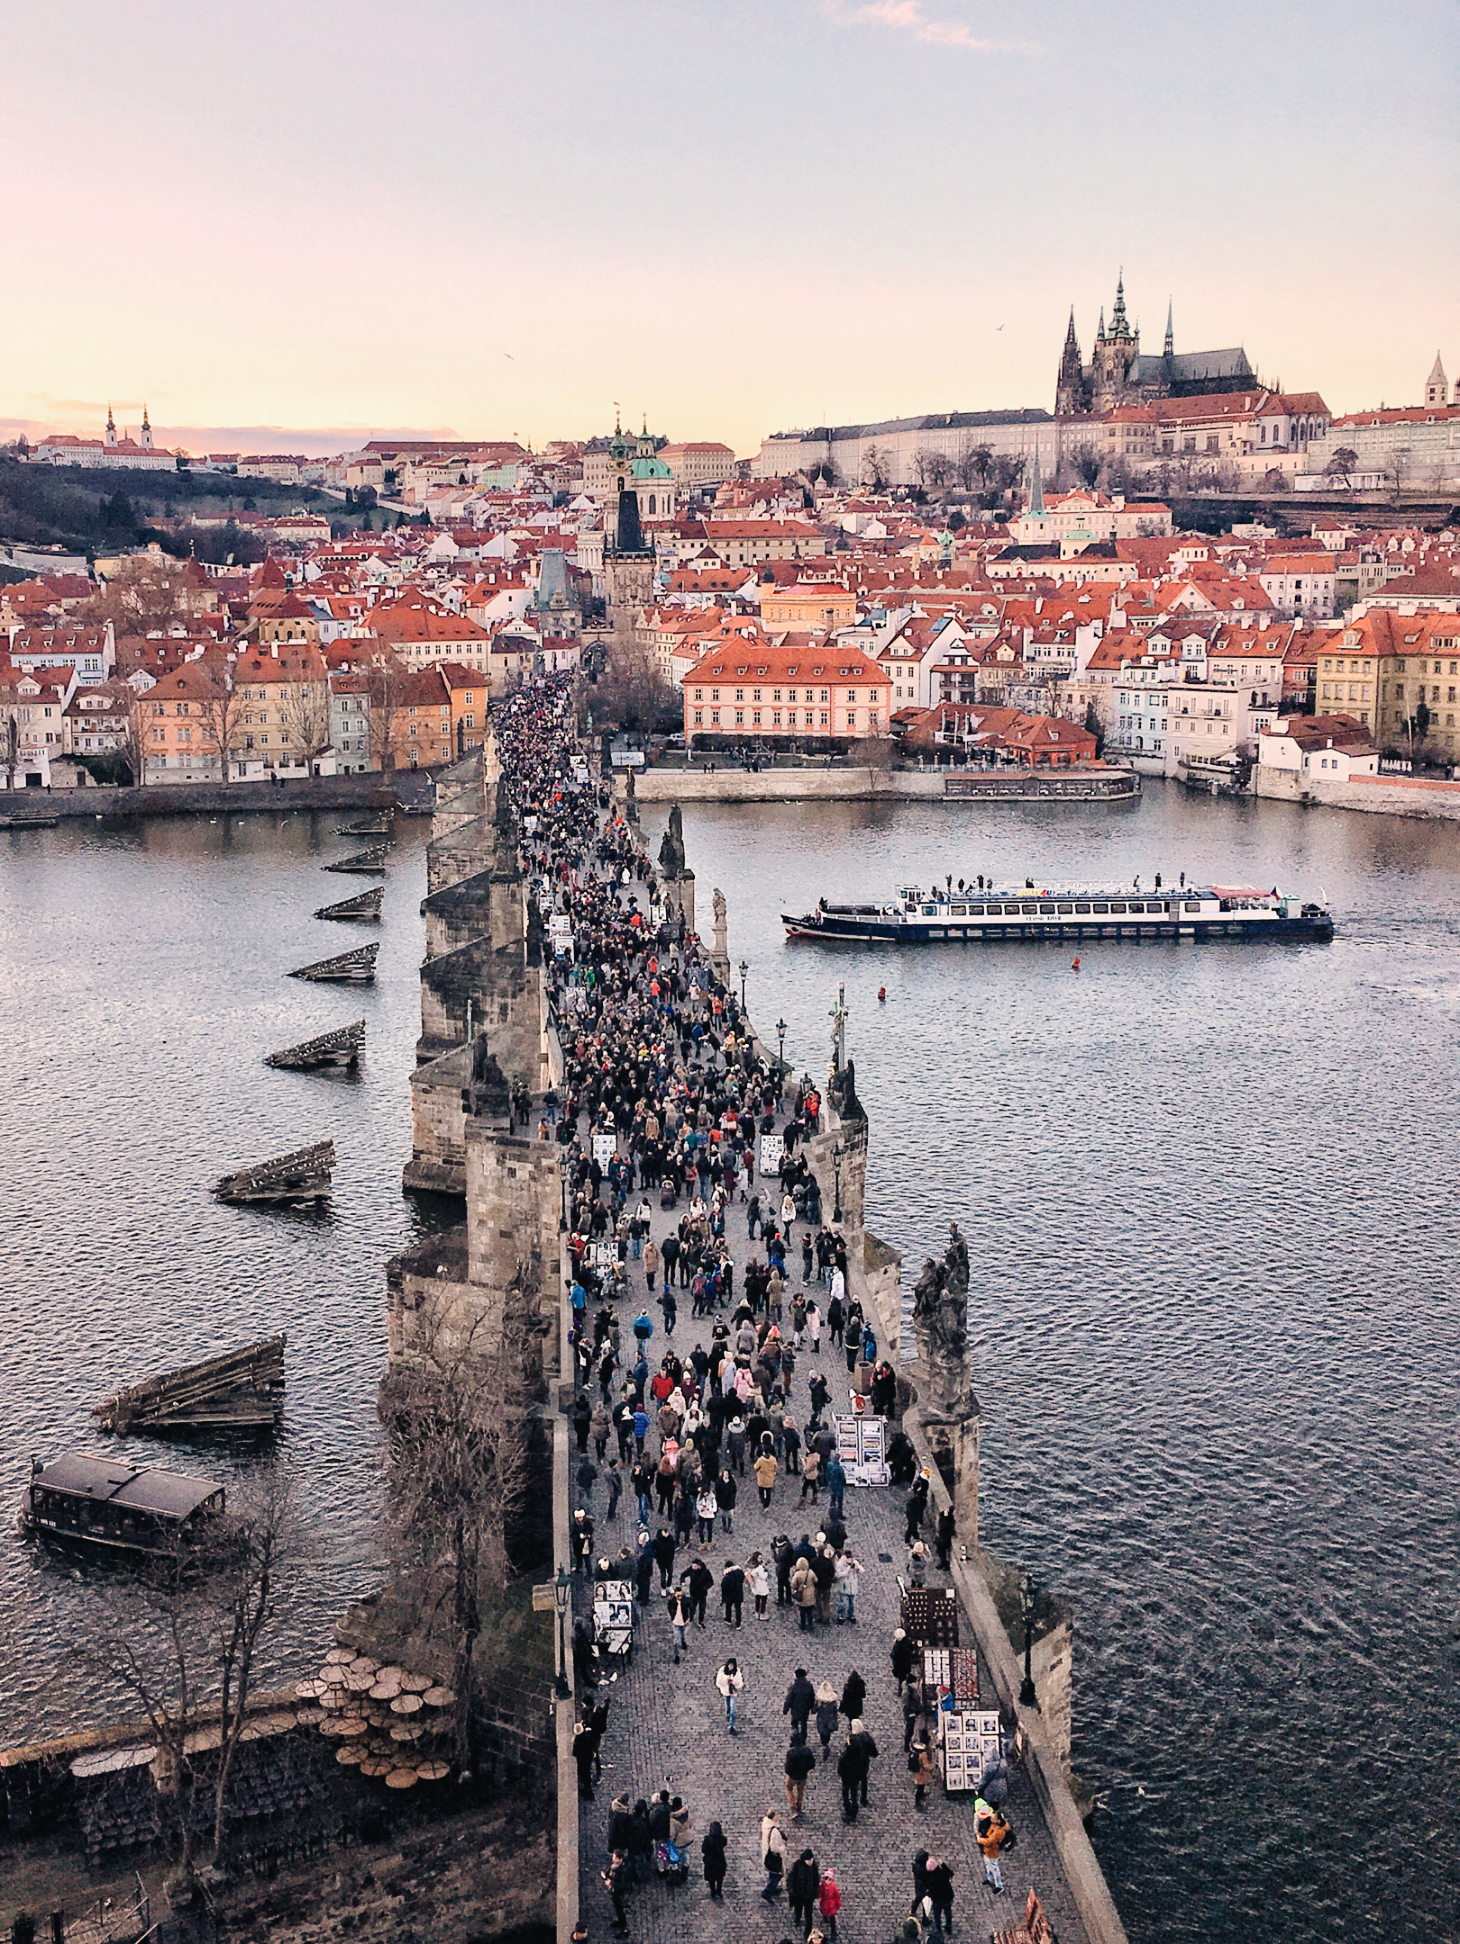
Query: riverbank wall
x=1392 y=796
x=699 y=783
x=367 y=790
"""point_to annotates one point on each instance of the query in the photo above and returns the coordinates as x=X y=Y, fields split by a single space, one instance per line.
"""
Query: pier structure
x=490 y=1066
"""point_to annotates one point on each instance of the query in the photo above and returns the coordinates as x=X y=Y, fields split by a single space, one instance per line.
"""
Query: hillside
x=91 y=511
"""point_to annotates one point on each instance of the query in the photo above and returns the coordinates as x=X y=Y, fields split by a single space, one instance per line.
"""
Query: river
x=1210 y=1203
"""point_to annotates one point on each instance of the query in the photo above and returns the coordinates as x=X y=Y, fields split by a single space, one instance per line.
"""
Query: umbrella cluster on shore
x=388 y=1720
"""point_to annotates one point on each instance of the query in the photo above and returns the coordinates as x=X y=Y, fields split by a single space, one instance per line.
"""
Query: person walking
x=676 y=1605
x=800 y=1700
x=829 y=1903
x=731 y=1683
x=836 y=1486
x=943 y=1534
x=732 y=1592
x=712 y=1856
x=903 y=1654
x=922 y=1768
x=698 y=1582
x=800 y=1763
x=940 y=1891
x=765 y=1475
x=849 y=1773
x=848 y=1586
x=772 y=1854
x=651 y=1263
x=826 y=1716
x=726 y=1493
x=803 y=1592
x=613 y=1883
x=867 y=1752
x=759 y=1578
x=803 y=1882
x=854 y=1697
x=993 y=1834
x=810 y=1477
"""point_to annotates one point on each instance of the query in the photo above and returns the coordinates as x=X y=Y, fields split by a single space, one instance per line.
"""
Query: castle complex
x=1119 y=374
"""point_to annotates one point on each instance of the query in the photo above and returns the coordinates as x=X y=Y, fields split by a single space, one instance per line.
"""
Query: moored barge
x=107 y=1506
x=1184 y=912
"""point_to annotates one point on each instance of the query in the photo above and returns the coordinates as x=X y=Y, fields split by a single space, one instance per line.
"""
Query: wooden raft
x=303 y=1175
x=365 y=863
x=364 y=909
x=241 y=1390
x=341 y=1048
x=346 y=968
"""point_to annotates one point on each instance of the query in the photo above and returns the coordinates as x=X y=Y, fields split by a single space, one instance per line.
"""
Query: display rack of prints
x=605 y=1146
x=861 y=1445
x=772 y=1147
x=613 y=1616
x=970 y=1744
x=964 y=1664
x=930 y=1616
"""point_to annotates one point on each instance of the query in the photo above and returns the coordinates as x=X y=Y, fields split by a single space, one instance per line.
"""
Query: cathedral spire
x=1170 y=344
x=1100 y=330
x=1119 y=327
x=1036 y=486
x=111 y=425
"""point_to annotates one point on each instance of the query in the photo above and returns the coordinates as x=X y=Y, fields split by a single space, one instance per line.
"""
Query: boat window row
x=1050 y=908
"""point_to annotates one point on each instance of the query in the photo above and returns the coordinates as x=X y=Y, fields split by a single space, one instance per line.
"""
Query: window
x=851 y=718
x=471 y=722
x=739 y=697
x=755 y=695
x=825 y=718
x=714 y=695
x=823 y=697
x=755 y=716
x=699 y=697
x=790 y=695
x=714 y=716
x=775 y=697
x=699 y=715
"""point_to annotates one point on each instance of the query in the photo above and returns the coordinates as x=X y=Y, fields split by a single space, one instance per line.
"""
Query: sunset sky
x=735 y=215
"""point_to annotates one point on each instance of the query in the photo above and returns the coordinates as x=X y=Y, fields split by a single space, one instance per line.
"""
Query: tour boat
x=101 y=1503
x=1187 y=911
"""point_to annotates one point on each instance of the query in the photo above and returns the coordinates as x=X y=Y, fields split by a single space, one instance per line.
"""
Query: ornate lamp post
x=838 y=1155
x=562 y=1593
x=1027 y=1697
x=742 y=969
x=781 y=1044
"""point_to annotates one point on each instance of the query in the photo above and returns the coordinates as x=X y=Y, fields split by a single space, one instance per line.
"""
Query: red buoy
x=882 y=992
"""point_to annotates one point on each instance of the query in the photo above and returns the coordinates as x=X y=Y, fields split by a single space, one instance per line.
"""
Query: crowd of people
x=658 y=1056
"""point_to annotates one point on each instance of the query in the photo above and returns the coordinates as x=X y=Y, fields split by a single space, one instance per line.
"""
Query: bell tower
x=1437 y=388
x=1069 y=391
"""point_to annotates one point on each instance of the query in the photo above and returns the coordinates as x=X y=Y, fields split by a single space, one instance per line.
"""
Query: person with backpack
x=800 y=1763
x=772 y=1854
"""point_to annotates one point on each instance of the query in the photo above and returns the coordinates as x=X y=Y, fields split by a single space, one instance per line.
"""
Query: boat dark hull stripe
x=891 y=932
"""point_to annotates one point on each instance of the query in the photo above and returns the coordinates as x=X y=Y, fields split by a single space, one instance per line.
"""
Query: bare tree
x=268 y=1533
x=973 y=465
x=1086 y=462
x=145 y=596
x=386 y=688
x=222 y=707
x=306 y=706
x=931 y=467
x=132 y=735
x=1343 y=462
x=461 y=1473
x=876 y=468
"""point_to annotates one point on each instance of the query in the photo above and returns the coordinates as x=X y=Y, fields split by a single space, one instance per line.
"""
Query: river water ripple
x=1209 y=1193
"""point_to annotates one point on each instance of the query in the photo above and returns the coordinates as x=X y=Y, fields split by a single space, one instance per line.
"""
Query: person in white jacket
x=848 y=1586
x=731 y=1683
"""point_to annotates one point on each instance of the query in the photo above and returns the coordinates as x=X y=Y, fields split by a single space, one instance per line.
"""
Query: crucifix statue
x=838 y=1017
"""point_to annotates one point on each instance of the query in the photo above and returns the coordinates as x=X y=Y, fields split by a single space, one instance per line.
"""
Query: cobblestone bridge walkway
x=667 y=1726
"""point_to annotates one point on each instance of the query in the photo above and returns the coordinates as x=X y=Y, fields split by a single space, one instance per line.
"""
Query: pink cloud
x=907 y=17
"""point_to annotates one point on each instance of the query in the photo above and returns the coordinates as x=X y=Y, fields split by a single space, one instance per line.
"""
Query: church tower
x=1168 y=349
x=1437 y=388
x=146 y=435
x=111 y=428
x=1116 y=351
x=1069 y=391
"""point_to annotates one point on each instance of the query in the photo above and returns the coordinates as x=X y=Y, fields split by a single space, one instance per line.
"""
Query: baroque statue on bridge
x=671 y=851
x=940 y=1322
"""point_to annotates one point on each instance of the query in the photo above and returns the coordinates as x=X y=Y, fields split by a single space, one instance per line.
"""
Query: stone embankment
x=700 y=783
x=369 y=790
x=1392 y=796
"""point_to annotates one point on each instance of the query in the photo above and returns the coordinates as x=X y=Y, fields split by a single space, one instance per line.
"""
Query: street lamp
x=781 y=1044
x=838 y=1155
x=562 y=1592
x=742 y=969
x=1027 y=1697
